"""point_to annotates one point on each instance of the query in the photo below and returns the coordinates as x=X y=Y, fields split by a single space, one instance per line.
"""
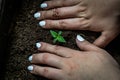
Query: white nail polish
x=80 y=38
x=30 y=58
x=42 y=23
x=37 y=15
x=43 y=5
x=38 y=45
x=30 y=68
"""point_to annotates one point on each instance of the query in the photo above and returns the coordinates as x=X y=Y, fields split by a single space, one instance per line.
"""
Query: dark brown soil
x=25 y=32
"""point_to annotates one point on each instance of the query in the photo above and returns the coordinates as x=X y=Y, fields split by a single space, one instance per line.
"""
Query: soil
x=25 y=32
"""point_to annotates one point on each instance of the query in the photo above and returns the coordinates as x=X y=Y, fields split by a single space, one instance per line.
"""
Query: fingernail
x=80 y=38
x=30 y=68
x=30 y=58
x=38 y=45
x=43 y=5
x=37 y=15
x=42 y=23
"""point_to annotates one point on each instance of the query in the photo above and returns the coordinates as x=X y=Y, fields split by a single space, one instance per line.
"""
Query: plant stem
x=55 y=40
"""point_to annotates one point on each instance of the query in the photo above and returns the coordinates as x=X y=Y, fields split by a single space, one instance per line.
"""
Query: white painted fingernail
x=37 y=15
x=80 y=38
x=42 y=23
x=38 y=45
x=30 y=68
x=30 y=58
x=43 y=5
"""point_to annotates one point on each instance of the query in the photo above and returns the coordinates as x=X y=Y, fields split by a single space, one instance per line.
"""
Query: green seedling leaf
x=61 y=39
x=60 y=32
x=57 y=36
x=53 y=33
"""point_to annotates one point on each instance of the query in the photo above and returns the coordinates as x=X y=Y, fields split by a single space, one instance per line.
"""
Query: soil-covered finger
x=66 y=24
x=60 y=13
x=58 y=3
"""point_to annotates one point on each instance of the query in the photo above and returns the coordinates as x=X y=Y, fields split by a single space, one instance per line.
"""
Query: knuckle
x=81 y=9
x=85 y=24
x=62 y=24
x=45 y=57
x=45 y=14
x=56 y=48
x=71 y=68
x=84 y=45
x=56 y=12
x=51 y=24
x=46 y=72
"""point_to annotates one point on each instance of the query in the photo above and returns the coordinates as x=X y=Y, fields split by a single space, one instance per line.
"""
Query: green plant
x=57 y=36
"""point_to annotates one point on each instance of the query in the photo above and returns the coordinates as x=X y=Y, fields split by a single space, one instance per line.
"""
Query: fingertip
x=41 y=46
x=80 y=38
x=30 y=68
x=30 y=58
x=79 y=41
x=37 y=15
x=43 y=5
x=33 y=69
x=42 y=23
x=38 y=45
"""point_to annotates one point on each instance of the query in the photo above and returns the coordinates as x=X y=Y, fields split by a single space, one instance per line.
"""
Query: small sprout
x=57 y=36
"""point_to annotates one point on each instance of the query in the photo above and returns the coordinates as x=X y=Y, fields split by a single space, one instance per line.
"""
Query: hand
x=92 y=63
x=94 y=15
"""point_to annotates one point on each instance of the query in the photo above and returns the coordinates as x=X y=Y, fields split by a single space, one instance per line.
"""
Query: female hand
x=92 y=63
x=94 y=15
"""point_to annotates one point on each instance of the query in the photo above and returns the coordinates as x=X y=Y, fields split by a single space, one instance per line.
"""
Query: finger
x=46 y=58
x=66 y=24
x=58 y=50
x=85 y=45
x=47 y=72
x=59 y=13
x=105 y=38
x=58 y=3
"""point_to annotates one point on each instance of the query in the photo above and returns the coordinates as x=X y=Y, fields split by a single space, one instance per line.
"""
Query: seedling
x=57 y=36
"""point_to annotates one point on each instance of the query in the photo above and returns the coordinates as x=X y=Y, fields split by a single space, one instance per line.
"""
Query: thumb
x=85 y=45
x=104 y=39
